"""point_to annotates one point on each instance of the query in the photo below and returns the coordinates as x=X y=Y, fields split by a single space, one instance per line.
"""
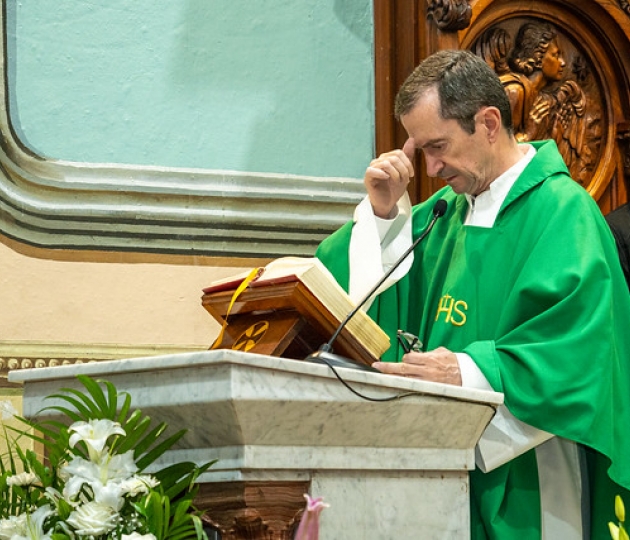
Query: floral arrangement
x=618 y=532
x=92 y=482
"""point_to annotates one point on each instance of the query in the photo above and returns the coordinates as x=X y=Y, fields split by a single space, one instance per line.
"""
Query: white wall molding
x=16 y=355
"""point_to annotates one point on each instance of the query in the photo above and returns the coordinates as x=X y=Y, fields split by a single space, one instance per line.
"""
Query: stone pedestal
x=390 y=455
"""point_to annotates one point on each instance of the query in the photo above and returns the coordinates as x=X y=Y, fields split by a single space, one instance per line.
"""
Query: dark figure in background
x=619 y=222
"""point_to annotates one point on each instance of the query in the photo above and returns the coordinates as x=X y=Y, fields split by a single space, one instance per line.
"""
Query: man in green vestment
x=518 y=288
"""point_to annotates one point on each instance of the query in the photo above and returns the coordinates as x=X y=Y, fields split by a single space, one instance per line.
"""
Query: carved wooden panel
x=565 y=66
x=553 y=89
x=253 y=510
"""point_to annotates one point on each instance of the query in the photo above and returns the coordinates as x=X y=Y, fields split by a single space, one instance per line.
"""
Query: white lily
x=106 y=469
x=95 y=434
x=78 y=472
x=118 y=467
x=110 y=494
x=32 y=526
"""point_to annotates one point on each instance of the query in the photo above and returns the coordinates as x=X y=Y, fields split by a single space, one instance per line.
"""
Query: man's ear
x=489 y=118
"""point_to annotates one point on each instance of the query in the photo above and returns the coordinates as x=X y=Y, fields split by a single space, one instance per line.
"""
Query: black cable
x=368 y=398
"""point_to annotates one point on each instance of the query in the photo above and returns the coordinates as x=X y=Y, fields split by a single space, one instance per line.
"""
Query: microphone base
x=335 y=360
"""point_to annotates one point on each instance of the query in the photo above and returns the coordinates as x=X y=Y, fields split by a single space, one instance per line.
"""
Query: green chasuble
x=540 y=303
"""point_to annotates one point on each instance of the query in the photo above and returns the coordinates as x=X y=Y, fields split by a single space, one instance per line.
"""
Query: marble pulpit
x=389 y=455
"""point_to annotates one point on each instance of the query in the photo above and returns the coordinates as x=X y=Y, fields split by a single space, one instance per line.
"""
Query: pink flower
x=309 y=524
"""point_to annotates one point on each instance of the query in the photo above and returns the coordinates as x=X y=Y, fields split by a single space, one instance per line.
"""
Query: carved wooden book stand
x=280 y=319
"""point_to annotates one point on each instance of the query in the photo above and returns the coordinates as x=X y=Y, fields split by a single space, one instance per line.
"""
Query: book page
x=290 y=266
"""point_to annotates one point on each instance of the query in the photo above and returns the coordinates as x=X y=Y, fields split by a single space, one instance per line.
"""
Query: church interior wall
x=281 y=92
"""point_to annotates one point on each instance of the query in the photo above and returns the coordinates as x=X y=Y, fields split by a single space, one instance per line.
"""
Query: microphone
x=325 y=353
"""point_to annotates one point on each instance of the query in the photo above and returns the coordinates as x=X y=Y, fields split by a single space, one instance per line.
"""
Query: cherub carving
x=545 y=102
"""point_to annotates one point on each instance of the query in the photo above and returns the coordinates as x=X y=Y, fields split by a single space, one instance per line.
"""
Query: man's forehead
x=425 y=124
x=426 y=107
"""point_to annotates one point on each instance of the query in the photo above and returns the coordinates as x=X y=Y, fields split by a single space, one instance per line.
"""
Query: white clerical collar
x=484 y=208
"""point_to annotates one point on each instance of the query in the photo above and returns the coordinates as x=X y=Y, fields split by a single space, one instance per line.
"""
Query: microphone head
x=440 y=208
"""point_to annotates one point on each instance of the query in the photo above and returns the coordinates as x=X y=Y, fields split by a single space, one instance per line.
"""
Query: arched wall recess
x=60 y=204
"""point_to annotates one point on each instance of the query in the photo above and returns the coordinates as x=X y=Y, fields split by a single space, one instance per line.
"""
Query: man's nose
x=434 y=165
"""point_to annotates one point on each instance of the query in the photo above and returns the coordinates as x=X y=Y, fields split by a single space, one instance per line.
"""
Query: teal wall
x=249 y=85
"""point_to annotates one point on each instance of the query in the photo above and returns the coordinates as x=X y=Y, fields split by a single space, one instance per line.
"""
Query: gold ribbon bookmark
x=252 y=276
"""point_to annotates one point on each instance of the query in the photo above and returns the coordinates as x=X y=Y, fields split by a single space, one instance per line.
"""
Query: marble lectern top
x=261 y=413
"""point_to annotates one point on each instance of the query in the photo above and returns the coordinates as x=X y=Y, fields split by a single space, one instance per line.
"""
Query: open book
x=324 y=296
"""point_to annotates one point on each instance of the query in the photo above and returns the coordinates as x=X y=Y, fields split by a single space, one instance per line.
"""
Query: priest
x=517 y=288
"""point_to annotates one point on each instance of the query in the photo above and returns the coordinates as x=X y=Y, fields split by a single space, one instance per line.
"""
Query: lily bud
x=614 y=530
x=620 y=510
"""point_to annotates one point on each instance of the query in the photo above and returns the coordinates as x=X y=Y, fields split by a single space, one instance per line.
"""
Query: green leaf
x=65 y=509
x=156 y=514
x=180 y=477
x=124 y=410
x=150 y=439
x=133 y=435
x=41 y=427
x=71 y=414
x=188 y=526
x=112 y=399
x=166 y=504
x=42 y=472
x=181 y=512
x=93 y=408
x=201 y=534
x=158 y=450
x=99 y=401
x=135 y=419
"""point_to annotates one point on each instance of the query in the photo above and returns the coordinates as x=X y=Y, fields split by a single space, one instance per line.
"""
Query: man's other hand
x=439 y=365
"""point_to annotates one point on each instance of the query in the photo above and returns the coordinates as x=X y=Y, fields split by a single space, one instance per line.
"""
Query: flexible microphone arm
x=324 y=354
